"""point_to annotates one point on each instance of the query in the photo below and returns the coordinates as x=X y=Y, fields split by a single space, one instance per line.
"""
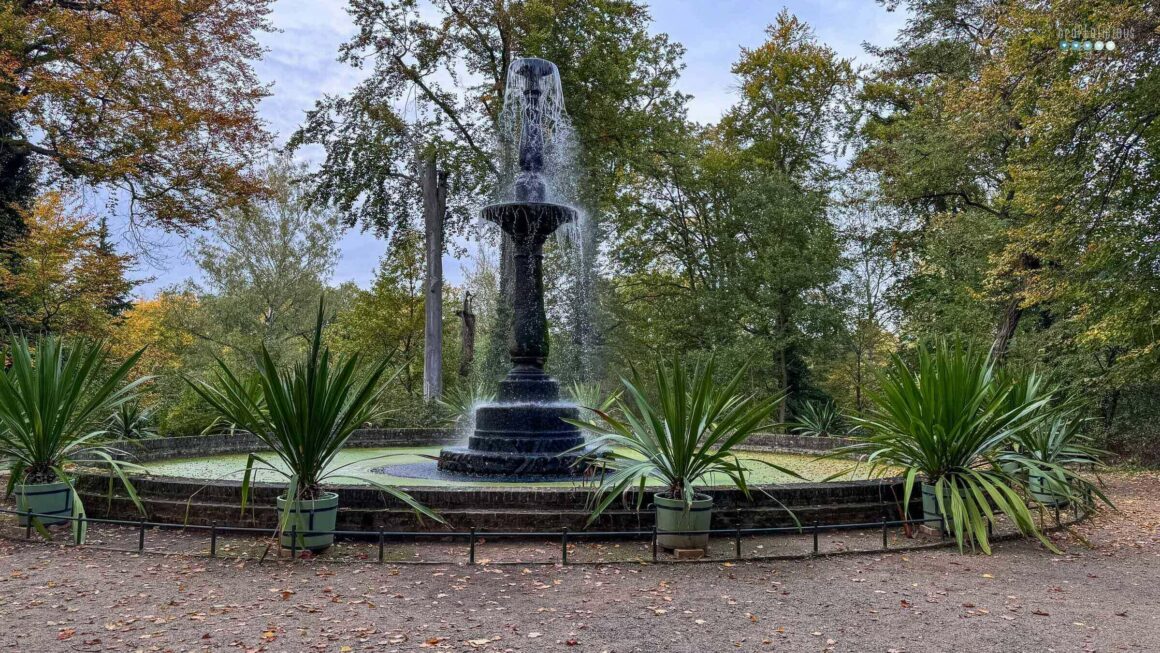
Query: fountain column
x=524 y=433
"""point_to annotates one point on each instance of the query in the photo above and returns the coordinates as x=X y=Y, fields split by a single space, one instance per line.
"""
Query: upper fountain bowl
x=536 y=220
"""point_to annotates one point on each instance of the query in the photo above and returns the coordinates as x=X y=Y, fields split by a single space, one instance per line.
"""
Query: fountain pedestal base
x=523 y=435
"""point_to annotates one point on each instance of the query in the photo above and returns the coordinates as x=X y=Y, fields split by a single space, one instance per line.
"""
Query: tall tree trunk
x=782 y=409
x=1013 y=312
x=1007 y=326
x=467 y=339
x=434 y=185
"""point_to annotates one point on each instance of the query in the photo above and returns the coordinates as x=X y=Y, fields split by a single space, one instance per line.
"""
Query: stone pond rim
x=511 y=508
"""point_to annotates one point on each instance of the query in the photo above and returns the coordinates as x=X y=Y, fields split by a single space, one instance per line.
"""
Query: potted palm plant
x=304 y=415
x=947 y=422
x=52 y=402
x=1051 y=453
x=684 y=441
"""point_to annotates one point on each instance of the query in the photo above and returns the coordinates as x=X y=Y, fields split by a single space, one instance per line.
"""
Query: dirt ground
x=1103 y=594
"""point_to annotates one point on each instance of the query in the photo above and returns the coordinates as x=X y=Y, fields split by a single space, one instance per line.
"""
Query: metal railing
x=564 y=535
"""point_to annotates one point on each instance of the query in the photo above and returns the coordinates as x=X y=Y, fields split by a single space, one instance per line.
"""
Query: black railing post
x=471 y=548
x=815 y=537
x=564 y=546
x=737 y=543
x=213 y=539
x=990 y=529
x=80 y=529
x=382 y=553
x=1057 y=522
x=28 y=525
x=294 y=542
x=654 y=544
x=885 y=544
x=141 y=536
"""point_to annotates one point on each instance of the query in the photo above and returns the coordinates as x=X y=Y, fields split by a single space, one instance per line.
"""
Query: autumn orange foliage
x=153 y=100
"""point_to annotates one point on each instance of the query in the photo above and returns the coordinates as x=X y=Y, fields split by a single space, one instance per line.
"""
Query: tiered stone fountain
x=524 y=433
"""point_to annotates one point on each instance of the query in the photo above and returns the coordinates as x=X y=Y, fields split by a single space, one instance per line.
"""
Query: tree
x=617 y=79
x=265 y=267
x=67 y=279
x=728 y=246
x=794 y=100
x=170 y=351
x=979 y=111
x=153 y=101
x=1028 y=167
x=387 y=322
x=869 y=231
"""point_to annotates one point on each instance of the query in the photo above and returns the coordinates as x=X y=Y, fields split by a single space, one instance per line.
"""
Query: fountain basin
x=213 y=480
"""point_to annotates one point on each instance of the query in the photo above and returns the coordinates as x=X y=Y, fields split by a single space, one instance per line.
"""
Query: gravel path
x=1102 y=595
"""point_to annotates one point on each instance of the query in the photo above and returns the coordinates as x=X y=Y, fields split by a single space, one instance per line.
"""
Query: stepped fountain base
x=524 y=435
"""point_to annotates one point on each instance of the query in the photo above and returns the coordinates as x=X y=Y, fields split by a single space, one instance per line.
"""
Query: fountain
x=524 y=432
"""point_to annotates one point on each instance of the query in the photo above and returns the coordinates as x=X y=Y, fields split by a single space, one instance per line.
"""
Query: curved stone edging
x=197 y=501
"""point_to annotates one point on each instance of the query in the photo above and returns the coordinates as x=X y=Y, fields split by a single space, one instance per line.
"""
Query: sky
x=302 y=66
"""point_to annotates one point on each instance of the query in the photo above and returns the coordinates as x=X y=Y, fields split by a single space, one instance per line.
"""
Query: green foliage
x=264 y=268
x=1052 y=453
x=948 y=421
x=52 y=402
x=131 y=421
x=818 y=419
x=684 y=437
x=592 y=399
x=458 y=403
x=305 y=415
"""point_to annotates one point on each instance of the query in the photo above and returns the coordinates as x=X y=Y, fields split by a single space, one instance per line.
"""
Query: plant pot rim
x=327 y=495
x=56 y=482
x=697 y=496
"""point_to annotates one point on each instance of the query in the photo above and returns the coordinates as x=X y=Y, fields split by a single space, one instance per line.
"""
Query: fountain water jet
x=524 y=432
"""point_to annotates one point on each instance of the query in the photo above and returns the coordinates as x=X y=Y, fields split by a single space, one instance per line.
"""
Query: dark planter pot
x=300 y=517
x=52 y=499
x=673 y=517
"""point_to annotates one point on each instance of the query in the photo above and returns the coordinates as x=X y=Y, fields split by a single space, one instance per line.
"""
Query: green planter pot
x=45 y=499
x=1044 y=492
x=672 y=517
x=930 y=513
x=306 y=517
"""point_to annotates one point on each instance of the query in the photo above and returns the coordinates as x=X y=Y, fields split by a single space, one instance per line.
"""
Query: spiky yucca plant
x=947 y=420
x=131 y=421
x=52 y=400
x=304 y=414
x=459 y=402
x=684 y=438
x=818 y=419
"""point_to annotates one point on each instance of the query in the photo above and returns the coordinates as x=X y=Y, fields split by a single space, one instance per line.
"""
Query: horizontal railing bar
x=455 y=534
